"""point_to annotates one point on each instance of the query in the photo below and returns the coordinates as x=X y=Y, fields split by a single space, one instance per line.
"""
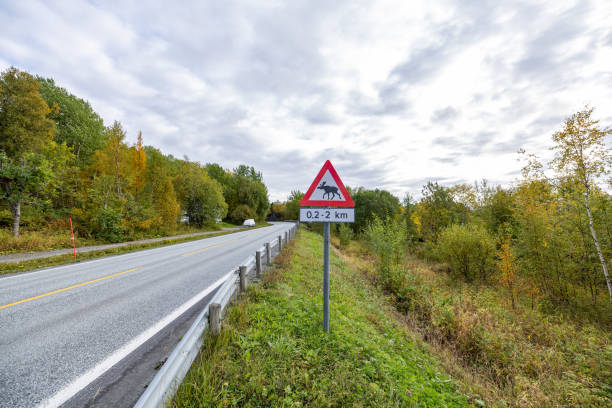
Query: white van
x=248 y=223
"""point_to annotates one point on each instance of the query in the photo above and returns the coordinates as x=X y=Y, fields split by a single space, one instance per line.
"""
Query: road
x=62 y=328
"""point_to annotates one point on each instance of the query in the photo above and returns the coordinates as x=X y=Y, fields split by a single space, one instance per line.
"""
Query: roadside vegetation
x=58 y=160
x=57 y=236
x=24 y=266
x=489 y=335
x=272 y=350
x=508 y=285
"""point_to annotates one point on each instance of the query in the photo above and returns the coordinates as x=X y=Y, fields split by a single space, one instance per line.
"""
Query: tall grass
x=36 y=241
x=524 y=357
x=57 y=236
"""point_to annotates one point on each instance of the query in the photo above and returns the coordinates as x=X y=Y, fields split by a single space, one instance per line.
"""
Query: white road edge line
x=84 y=380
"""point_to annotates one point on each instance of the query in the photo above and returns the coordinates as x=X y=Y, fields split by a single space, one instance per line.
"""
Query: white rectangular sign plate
x=327 y=214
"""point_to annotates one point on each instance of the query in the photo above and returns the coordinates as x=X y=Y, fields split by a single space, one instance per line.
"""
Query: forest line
x=59 y=160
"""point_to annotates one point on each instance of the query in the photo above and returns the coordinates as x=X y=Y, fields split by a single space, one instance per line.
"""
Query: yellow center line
x=116 y=274
x=69 y=287
x=208 y=247
x=197 y=251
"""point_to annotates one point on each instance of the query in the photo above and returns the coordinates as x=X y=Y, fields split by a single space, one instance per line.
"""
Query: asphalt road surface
x=63 y=328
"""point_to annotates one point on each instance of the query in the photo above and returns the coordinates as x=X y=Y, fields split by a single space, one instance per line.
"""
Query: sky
x=394 y=93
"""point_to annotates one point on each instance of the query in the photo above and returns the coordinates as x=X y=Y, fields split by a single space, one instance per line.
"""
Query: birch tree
x=581 y=153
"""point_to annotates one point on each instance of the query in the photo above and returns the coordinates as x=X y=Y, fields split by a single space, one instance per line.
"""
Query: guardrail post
x=286 y=237
x=214 y=318
x=258 y=264
x=243 y=279
x=280 y=243
x=268 y=253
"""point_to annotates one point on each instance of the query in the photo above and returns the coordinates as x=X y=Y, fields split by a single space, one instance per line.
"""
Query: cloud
x=445 y=160
x=467 y=144
x=443 y=91
x=549 y=55
x=387 y=102
x=444 y=115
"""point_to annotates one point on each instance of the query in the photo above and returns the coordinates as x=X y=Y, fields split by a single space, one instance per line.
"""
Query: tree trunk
x=16 y=212
x=596 y=241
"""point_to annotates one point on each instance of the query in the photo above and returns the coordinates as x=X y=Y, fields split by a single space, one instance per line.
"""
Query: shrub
x=345 y=234
x=386 y=241
x=6 y=218
x=468 y=249
x=108 y=225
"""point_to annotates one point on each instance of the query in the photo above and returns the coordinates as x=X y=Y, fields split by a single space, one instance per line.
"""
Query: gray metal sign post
x=326 y=276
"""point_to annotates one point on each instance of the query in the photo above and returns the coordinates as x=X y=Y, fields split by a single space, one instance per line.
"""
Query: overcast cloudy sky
x=394 y=93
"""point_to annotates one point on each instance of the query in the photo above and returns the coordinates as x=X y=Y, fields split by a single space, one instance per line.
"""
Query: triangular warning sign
x=327 y=190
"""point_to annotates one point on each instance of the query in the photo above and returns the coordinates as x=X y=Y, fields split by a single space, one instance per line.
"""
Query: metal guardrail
x=171 y=374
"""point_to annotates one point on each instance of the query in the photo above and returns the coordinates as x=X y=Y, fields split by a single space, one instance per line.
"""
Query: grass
x=17 y=267
x=57 y=236
x=512 y=358
x=272 y=350
x=38 y=241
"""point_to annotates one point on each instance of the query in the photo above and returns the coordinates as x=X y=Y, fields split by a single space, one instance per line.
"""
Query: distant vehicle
x=249 y=223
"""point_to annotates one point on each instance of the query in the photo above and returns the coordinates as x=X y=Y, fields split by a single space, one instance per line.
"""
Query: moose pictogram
x=329 y=190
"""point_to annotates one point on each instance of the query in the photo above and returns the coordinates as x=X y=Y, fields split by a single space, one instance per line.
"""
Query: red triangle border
x=306 y=201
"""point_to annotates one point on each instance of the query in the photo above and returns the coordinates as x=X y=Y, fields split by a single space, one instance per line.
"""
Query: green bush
x=108 y=225
x=6 y=218
x=387 y=242
x=468 y=249
x=345 y=234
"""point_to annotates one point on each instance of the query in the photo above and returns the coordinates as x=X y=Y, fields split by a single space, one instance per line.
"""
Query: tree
x=139 y=166
x=507 y=267
x=25 y=131
x=581 y=153
x=468 y=249
x=497 y=209
x=542 y=243
x=250 y=190
x=216 y=172
x=248 y=171
x=370 y=204
x=437 y=210
x=292 y=207
x=242 y=186
x=76 y=123
x=201 y=197
x=277 y=211
x=113 y=160
x=159 y=186
x=408 y=208
x=100 y=215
